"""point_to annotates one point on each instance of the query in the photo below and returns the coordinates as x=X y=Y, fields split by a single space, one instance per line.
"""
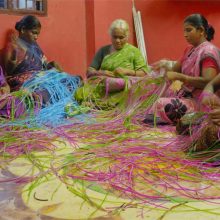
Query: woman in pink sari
x=199 y=64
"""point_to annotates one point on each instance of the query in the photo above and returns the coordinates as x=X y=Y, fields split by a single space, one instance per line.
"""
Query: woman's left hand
x=120 y=72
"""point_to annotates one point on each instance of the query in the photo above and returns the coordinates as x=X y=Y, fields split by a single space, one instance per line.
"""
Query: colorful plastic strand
x=114 y=153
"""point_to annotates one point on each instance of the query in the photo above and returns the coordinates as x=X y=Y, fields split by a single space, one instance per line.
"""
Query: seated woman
x=207 y=134
x=28 y=69
x=114 y=68
x=199 y=64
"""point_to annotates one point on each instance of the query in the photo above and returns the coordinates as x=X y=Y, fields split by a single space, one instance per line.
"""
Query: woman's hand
x=120 y=72
x=92 y=72
x=163 y=64
x=210 y=100
x=106 y=73
x=159 y=65
x=208 y=97
x=215 y=116
x=209 y=89
x=4 y=89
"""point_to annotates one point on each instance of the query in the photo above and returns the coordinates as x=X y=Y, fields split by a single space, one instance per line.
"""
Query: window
x=23 y=6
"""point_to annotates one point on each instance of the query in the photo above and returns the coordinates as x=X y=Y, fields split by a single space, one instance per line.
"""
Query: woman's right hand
x=91 y=72
x=208 y=98
x=215 y=116
x=120 y=72
x=163 y=64
x=160 y=64
x=107 y=73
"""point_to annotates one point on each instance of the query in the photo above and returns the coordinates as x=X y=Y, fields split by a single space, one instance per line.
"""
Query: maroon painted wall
x=163 y=24
x=74 y=29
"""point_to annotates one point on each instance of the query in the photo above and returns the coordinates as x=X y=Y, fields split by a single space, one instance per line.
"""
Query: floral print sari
x=171 y=109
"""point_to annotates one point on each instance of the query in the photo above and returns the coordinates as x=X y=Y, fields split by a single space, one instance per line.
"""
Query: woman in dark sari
x=23 y=56
x=28 y=69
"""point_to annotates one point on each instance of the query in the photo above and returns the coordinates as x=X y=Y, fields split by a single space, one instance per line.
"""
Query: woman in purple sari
x=23 y=56
x=27 y=69
x=199 y=64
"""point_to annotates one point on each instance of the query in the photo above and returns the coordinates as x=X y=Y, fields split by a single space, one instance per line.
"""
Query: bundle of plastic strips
x=118 y=154
x=56 y=90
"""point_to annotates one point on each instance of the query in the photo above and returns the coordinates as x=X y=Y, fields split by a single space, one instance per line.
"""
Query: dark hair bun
x=198 y=20
x=18 y=26
x=210 y=33
x=28 y=22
